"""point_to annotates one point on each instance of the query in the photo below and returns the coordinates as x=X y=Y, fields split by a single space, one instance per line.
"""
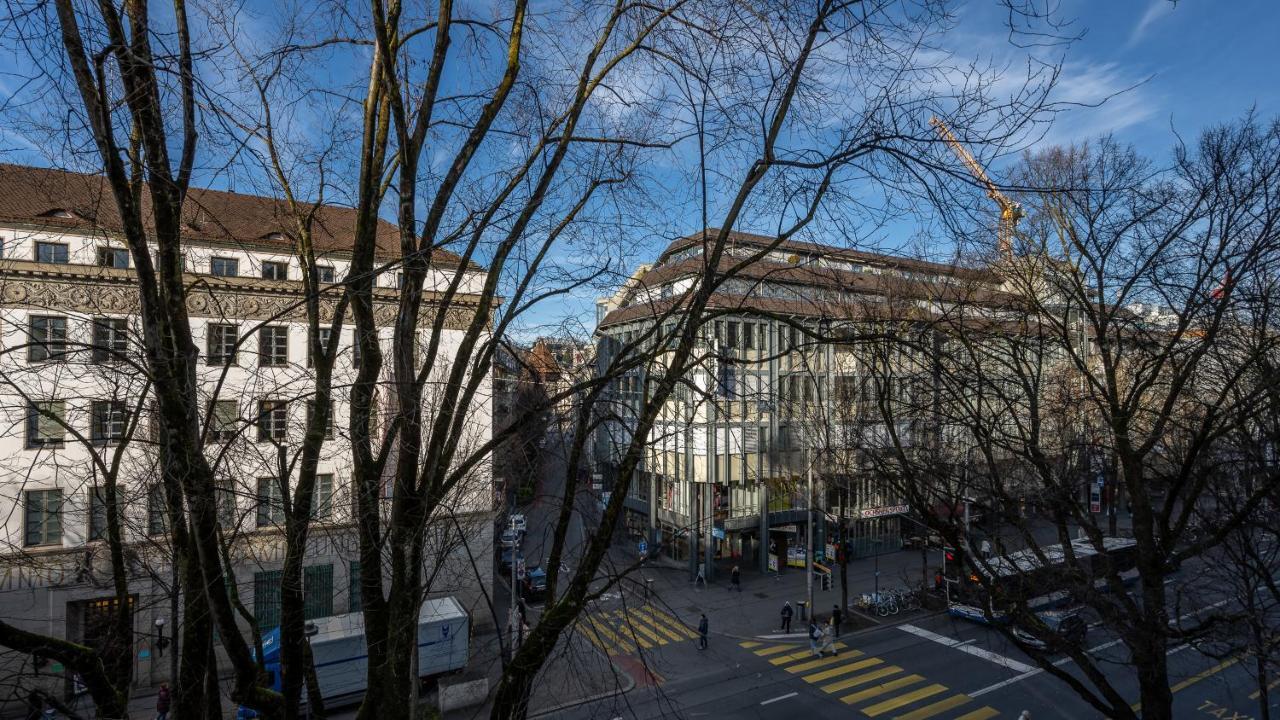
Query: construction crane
x=1010 y=211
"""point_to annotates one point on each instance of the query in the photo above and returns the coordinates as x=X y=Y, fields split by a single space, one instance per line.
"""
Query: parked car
x=534 y=584
x=509 y=539
x=1067 y=627
x=506 y=557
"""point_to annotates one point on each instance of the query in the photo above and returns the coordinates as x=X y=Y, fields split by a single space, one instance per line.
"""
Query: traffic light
x=826 y=581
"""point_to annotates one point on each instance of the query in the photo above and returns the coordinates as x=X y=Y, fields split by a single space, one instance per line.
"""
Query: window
x=354 y=598
x=224 y=421
x=107 y=421
x=98 y=513
x=224 y=267
x=273 y=345
x=45 y=423
x=317 y=591
x=748 y=336
x=328 y=426
x=325 y=274
x=225 y=497
x=49 y=252
x=270 y=505
x=732 y=335
x=48 y=339
x=110 y=339
x=43 y=517
x=220 y=344
x=157 y=511
x=266 y=599
x=324 y=347
x=113 y=257
x=275 y=270
x=399 y=280
x=322 y=500
x=272 y=415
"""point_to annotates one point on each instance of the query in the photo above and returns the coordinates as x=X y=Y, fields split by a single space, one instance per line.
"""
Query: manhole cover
x=762 y=596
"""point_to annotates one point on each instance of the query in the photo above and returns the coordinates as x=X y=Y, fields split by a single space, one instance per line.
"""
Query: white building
x=70 y=342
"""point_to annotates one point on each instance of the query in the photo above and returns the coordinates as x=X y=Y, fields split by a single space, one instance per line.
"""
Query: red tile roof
x=59 y=198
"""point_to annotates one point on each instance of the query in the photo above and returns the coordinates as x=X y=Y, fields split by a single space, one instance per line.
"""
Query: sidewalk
x=756 y=610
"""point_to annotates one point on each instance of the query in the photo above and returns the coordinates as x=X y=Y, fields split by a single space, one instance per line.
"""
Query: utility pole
x=513 y=618
x=808 y=561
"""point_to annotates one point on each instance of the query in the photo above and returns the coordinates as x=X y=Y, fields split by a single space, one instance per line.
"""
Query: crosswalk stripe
x=603 y=632
x=774 y=650
x=860 y=679
x=671 y=621
x=842 y=670
x=1200 y=676
x=881 y=708
x=661 y=627
x=821 y=662
x=750 y=644
x=635 y=623
x=625 y=629
x=941 y=706
x=799 y=655
x=1258 y=693
x=590 y=635
x=881 y=689
x=982 y=713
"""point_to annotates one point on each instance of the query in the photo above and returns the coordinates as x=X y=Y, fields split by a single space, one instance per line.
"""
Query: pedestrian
x=1025 y=715
x=986 y=549
x=815 y=635
x=702 y=632
x=836 y=617
x=828 y=639
x=735 y=579
x=938 y=581
x=787 y=612
x=701 y=576
x=162 y=702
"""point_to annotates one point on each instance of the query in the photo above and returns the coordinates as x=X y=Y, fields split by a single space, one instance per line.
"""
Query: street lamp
x=161 y=641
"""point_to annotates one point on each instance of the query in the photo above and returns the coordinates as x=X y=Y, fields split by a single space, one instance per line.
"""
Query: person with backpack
x=814 y=636
x=787 y=612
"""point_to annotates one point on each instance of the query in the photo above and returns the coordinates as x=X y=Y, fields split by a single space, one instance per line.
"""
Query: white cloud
x=1155 y=11
x=1099 y=98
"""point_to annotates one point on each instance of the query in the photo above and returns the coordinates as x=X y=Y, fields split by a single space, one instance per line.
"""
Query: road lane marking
x=881 y=708
x=603 y=632
x=937 y=708
x=750 y=644
x=647 y=616
x=1096 y=648
x=962 y=647
x=821 y=662
x=799 y=655
x=774 y=650
x=780 y=697
x=842 y=670
x=860 y=679
x=1202 y=675
x=881 y=689
x=673 y=622
x=980 y=714
x=1258 y=693
x=635 y=623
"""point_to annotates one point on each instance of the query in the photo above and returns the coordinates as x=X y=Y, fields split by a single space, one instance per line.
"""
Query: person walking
x=735 y=579
x=815 y=635
x=162 y=702
x=787 y=612
x=702 y=632
x=836 y=618
x=828 y=637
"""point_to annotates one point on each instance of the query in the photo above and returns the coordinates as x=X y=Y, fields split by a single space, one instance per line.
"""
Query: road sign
x=643 y=547
x=1095 y=499
x=717 y=533
x=883 y=511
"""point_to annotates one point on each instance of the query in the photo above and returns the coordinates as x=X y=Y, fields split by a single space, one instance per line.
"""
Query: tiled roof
x=752 y=240
x=58 y=198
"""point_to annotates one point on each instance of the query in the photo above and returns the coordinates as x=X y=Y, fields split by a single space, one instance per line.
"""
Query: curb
x=879 y=626
x=628 y=687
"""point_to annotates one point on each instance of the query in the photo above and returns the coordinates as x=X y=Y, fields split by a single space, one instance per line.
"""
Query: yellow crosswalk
x=876 y=688
x=626 y=631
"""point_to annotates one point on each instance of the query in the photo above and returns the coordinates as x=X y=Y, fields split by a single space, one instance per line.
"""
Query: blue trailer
x=342 y=661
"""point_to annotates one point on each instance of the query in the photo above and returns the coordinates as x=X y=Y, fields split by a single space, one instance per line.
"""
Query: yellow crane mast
x=1010 y=211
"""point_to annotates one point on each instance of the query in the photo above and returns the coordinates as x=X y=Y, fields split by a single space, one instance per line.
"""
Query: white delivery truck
x=342 y=661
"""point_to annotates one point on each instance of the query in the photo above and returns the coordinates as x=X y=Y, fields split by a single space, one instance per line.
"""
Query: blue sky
x=1159 y=66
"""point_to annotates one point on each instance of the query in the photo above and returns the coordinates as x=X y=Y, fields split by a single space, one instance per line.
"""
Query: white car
x=518 y=523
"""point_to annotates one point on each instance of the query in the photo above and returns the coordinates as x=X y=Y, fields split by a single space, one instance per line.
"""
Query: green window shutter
x=317 y=591
x=266 y=598
x=354 y=598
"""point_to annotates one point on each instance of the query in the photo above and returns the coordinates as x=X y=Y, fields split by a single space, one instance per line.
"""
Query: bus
x=1022 y=577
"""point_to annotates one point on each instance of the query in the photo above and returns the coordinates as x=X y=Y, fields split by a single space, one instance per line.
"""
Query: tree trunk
x=1264 y=700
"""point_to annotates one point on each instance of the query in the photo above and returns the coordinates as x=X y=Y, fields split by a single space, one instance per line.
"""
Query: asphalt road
x=937 y=667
